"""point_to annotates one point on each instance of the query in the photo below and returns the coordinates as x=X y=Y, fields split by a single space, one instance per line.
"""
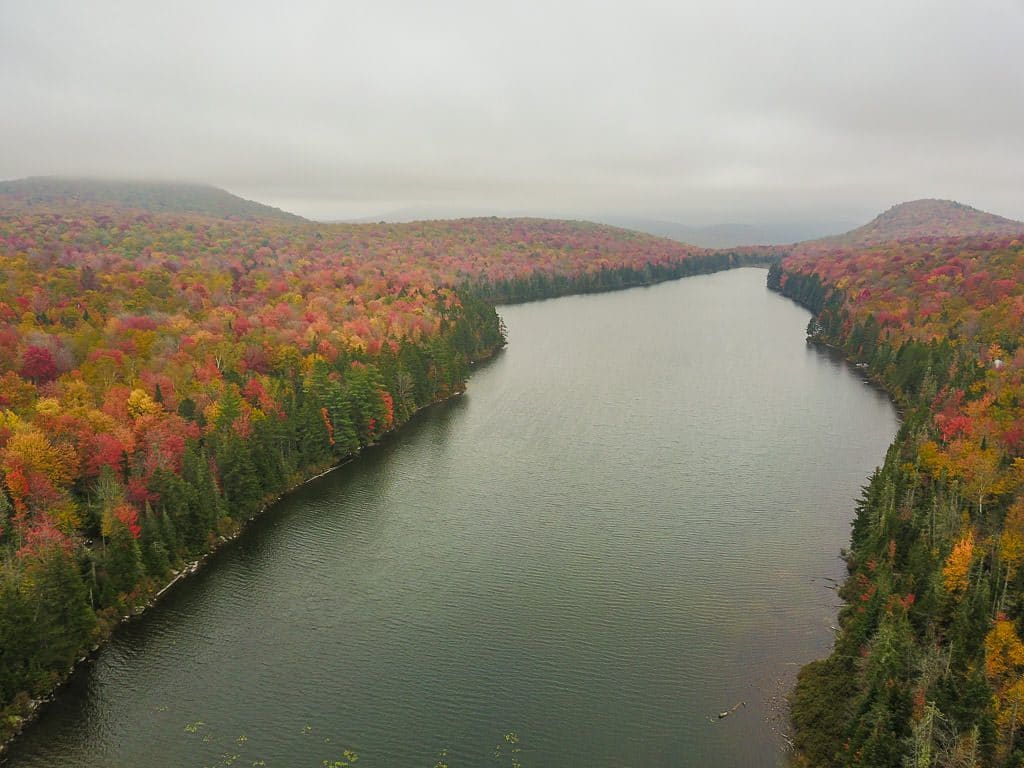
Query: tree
x=37 y=365
x=155 y=555
x=6 y=508
x=205 y=505
x=239 y=483
x=1004 y=666
x=956 y=572
x=122 y=559
x=64 y=622
x=18 y=631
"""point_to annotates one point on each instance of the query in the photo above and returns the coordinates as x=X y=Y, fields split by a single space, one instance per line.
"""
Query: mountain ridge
x=912 y=220
x=63 y=192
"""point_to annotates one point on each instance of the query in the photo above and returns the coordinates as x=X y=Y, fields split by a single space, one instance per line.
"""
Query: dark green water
x=624 y=527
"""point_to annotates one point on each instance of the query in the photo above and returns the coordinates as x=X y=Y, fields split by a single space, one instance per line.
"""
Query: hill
x=928 y=663
x=726 y=235
x=63 y=194
x=923 y=219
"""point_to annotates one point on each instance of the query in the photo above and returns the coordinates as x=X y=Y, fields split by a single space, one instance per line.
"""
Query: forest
x=164 y=375
x=928 y=665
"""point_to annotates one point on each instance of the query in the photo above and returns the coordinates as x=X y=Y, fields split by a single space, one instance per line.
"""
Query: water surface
x=627 y=525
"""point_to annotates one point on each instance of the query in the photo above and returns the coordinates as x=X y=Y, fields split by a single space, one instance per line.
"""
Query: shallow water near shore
x=628 y=525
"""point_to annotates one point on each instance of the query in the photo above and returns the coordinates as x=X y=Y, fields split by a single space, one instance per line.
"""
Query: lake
x=627 y=525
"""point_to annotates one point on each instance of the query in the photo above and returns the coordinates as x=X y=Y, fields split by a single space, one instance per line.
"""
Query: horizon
x=712 y=235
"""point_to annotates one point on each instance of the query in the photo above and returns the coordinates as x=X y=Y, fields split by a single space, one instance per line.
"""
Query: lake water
x=626 y=525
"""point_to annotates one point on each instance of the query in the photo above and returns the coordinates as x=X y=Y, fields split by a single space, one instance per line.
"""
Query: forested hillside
x=164 y=375
x=65 y=195
x=921 y=220
x=928 y=668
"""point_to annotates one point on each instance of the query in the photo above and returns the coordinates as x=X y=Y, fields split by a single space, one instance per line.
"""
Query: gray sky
x=723 y=110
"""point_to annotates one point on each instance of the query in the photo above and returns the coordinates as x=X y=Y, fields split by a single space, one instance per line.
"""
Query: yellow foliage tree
x=933 y=460
x=1004 y=666
x=1011 y=541
x=10 y=420
x=140 y=404
x=64 y=514
x=980 y=470
x=1004 y=652
x=29 y=449
x=958 y=564
x=77 y=394
x=48 y=406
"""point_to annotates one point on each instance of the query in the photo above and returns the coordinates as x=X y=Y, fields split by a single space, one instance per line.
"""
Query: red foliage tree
x=37 y=365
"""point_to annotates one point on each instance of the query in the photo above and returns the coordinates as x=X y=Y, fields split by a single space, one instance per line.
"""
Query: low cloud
x=697 y=112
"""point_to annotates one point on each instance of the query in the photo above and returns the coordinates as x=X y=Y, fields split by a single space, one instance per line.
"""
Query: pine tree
x=240 y=486
x=18 y=641
x=64 y=620
x=122 y=560
x=154 y=551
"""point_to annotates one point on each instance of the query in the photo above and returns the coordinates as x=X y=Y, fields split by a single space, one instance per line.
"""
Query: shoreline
x=861 y=371
x=859 y=368
x=35 y=707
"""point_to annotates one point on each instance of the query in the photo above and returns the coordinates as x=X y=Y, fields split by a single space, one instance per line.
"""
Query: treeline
x=261 y=436
x=545 y=285
x=928 y=666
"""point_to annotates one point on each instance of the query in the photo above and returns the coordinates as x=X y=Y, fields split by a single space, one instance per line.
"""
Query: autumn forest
x=164 y=374
x=173 y=359
x=928 y=668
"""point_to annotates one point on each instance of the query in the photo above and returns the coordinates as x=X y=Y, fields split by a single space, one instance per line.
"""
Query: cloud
x=694 y=111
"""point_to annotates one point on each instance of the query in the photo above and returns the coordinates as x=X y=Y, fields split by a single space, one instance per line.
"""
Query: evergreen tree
x=19 y=642
x=154 y=550
x=239 y=483
x=206 y=505
x=122 y=561
x=64 y=621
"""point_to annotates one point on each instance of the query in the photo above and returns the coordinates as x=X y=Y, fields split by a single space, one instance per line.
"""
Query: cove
x=627 y=525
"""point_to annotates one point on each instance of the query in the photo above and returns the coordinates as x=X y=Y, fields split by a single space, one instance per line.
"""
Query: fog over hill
x=721 y=235
x=67 y=194
x=153 y=196
x=927 y=218
x=731 y=234
x=905 y=221
x=700 y=113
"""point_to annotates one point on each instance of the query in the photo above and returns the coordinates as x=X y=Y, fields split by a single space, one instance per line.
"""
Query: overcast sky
x=724 y=110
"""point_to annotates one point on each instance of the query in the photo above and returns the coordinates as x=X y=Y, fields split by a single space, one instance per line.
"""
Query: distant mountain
x=713 y=236
x=413 y=213
x=924 y=219
x=729 y=235
x=153 y=196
